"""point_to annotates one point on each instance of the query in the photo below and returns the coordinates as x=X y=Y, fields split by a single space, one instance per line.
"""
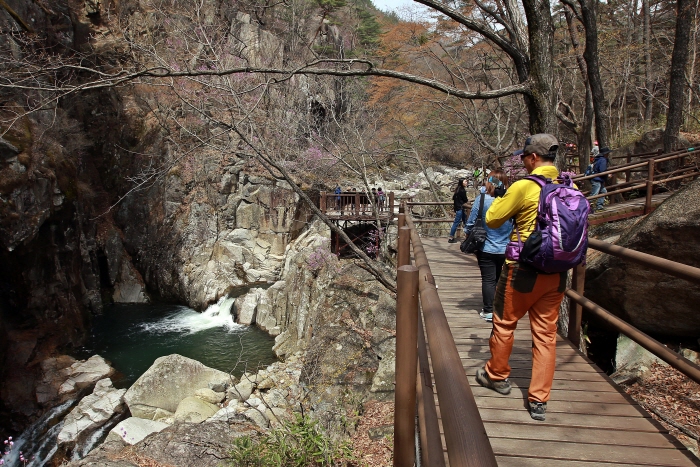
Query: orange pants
x=520 y=289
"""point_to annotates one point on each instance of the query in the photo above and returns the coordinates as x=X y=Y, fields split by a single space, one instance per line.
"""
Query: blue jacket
x=496 y=239
x=600 y=164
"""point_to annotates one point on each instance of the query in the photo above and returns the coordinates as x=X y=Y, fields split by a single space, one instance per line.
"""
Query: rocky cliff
x=97 y=205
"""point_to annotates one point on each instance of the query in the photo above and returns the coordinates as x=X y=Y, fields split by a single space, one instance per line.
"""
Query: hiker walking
x=460 y=199
x=527 y=283
x=600 y=164
x=493 y=252
x=382 y=198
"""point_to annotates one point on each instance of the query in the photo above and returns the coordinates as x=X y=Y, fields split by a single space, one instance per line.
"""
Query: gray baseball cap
x=541 y=144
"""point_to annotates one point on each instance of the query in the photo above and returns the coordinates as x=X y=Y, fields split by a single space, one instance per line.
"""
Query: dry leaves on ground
x=142 y=461
x=673 y=399
x=373 y=441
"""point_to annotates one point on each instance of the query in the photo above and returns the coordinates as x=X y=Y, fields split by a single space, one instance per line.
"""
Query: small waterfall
x=38 y=442
x=188 y=321
x=83 y=449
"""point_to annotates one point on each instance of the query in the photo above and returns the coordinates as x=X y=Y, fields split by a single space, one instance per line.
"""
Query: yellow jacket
x=520 y=202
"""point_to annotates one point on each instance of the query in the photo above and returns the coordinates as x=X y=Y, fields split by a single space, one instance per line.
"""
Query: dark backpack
x=560 y=239
x=477 y=235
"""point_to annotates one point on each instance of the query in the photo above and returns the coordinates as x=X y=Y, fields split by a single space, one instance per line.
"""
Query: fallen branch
x=684 y=429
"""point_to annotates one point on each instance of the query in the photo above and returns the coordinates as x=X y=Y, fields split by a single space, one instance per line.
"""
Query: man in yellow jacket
x=523 y=288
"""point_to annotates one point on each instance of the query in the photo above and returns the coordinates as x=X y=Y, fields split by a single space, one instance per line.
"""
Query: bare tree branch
x=106 y=80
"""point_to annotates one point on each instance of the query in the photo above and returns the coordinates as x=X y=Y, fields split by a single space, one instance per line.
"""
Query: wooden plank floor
x=590 y=422
x=625 y=209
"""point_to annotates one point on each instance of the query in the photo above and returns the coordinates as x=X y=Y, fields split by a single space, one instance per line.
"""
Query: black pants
x=490 y=265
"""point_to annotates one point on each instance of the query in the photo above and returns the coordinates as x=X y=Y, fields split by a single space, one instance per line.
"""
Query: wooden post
x=650 y=186
x=628 y=173
x=357 y=204
x=322 y=202
x=404 y=255
x=576 y=311
x=391 y=206
x=613 y=180
x=406 y=366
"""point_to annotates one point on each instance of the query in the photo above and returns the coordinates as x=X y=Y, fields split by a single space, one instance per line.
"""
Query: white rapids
x=189 y=321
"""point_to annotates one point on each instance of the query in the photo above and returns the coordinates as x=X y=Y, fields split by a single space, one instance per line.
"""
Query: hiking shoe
x=451 y=240
x=537 y=410
x=486 y=316
x=501 y=387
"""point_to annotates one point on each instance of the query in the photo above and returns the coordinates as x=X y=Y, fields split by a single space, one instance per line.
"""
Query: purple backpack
x=560 y=239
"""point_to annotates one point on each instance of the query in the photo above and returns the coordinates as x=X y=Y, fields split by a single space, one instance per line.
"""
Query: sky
x=388 y=5
x=406 y=9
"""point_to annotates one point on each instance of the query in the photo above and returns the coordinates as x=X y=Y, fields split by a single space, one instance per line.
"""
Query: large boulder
x=246 y=306
x=179 y=445
x=158 y=392
x=91 y=413
x=62 y=377
x=194 y=410
x=653 y=301
x=134 y=429
x=85 y=374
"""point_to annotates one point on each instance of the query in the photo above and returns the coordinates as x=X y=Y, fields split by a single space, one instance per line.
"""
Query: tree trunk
x=583 y=136
x=542 y=102
x=590 y=23
x=679 y=61
x=646 y=32
x=584 y=141
x=693 y=60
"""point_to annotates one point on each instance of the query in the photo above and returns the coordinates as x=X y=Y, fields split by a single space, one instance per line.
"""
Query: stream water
x=131 y=337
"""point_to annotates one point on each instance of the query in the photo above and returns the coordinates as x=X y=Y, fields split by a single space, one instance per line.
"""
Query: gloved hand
x=499 y=191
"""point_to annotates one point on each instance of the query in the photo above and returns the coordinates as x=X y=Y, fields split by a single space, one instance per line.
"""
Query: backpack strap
x=539 y=179
x=480 y=216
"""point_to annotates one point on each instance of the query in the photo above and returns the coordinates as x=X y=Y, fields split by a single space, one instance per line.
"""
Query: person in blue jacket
x=493 y=253
x=600 y=164
x=337 y=192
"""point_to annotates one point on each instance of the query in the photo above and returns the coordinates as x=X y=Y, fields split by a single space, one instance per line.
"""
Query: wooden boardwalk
x=625 y=209
x=590 y=421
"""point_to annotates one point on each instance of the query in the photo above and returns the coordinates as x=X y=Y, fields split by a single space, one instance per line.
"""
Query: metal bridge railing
x=465 y=435
x=673 y=268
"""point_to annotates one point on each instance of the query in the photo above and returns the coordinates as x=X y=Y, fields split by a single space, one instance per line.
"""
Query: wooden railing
x=650 y=165
x=355 y=204
x=655 y=177
x=465 y=435
x=580 y=303
x=431 y=203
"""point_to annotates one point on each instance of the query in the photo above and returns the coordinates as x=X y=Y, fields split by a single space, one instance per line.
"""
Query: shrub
x=300 y=443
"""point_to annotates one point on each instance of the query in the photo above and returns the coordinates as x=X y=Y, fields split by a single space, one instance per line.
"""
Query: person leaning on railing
x=523 y=288
x=493 y=253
